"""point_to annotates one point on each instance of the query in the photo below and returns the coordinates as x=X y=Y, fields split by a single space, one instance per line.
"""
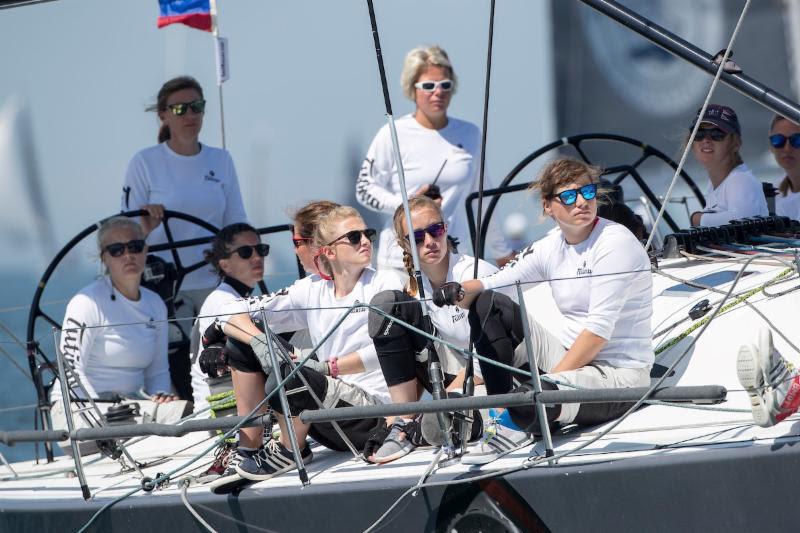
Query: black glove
x=448 y=294
x=376 y=438
x=212 y=335
x=214 y=360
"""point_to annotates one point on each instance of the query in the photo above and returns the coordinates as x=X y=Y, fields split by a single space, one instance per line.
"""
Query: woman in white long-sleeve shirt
x=599 y=275
x=440 y=155
x=182 y=174
x=733 y=191
x=784 y=143
x=347 y=371
x=114 y=333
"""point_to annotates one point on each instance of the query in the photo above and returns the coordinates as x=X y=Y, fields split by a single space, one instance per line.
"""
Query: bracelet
x=333 y=367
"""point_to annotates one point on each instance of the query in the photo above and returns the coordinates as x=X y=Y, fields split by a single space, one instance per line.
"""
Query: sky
x=302 y=104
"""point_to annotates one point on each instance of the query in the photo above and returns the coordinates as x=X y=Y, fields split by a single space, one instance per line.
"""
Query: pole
x=434 y=367
x=221 y=62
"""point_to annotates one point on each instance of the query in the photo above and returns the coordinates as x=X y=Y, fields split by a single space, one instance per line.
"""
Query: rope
x=702 y=111
x=185 y=483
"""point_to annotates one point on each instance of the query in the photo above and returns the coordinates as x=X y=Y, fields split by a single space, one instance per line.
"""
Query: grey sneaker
x=773 y=389
x=271 y=460
x=397 y=444
x=497 y=441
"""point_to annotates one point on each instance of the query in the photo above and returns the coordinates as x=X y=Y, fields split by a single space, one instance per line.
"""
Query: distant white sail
x=26 y=231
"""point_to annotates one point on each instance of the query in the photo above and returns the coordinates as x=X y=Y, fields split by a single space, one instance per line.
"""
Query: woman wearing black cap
x=733 y=192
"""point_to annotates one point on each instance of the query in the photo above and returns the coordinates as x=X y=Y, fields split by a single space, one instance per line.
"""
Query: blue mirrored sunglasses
x=570 y=196
x=779 y=140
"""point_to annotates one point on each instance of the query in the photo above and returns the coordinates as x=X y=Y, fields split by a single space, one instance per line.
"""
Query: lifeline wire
x=702 y=111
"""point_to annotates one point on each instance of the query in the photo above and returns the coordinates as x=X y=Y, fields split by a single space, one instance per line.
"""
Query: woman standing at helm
x=440 y=157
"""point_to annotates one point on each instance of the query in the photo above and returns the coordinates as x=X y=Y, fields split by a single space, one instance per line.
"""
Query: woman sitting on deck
x=784 y=143
x=733 y=191
x=114 y=333
x=599 y=275
x=401 y=352
x=347 y=372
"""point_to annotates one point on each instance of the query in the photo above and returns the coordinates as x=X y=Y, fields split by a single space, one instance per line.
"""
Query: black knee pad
x=525 y=417
x=400 y=305
x=493 y=315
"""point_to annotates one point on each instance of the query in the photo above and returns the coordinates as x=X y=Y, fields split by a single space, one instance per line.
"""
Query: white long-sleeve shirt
x=740 y=195
x=310 y=303
x=602 y=285
x=116 y=344
x=423 y=152
x=789 y=205
x=204 y=185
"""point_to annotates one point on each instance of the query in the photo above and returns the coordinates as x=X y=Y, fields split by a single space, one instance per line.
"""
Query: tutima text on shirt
x=204 y=185
x=602 y=284
x=310 y=303
x=116 y=344
x=424 y=151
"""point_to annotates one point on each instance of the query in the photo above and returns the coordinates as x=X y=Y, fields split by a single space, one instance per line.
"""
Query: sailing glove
x=376 y=438
x=448 y=294
x=260 y=347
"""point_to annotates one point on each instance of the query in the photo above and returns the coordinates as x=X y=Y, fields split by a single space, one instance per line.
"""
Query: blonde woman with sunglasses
x=599 y=276
x=402 y=353
x=441 y=158
x=347 y=371
x=182 y=174
x=114 y=334
x=784 y=143
x=733 y=191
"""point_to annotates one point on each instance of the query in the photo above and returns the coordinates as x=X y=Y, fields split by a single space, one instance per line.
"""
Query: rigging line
x=679 y=169
x=769 y=261
x=184 y=486
x=27 y=307
x=8 y=356
x=528 y=463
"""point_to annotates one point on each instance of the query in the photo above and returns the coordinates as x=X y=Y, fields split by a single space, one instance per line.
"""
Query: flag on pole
x=193 y=13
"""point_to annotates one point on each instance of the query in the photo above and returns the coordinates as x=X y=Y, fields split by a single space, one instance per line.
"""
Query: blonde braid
x=408 y=262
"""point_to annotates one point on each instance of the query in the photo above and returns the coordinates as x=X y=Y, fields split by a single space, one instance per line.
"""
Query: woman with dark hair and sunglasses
x=733 y=191
x=441 y=158
x=599 y=275
x=114 y=333
x=402 y=352
x=347 y=371
x=784 y=143
x=182 y=174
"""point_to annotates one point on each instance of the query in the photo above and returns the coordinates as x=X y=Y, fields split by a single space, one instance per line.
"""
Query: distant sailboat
x=25 y=223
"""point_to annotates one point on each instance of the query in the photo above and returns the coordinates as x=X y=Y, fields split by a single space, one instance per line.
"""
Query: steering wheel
x=575 y=141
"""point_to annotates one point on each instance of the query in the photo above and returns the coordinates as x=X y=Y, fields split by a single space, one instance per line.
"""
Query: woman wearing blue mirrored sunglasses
x=784 y=139
x=733 y=191
x=599 y=277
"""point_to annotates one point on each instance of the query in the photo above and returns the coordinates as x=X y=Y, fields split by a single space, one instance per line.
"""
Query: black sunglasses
x=435 y=230
x=354 y=237
x=197 y=106
x=715 y=134
x=116 y=249
x=246 y=251
x=570 y=196
x=779 y=140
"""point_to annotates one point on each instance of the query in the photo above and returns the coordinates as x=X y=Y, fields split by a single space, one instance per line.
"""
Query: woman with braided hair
x=402 y=353
x=600 y=279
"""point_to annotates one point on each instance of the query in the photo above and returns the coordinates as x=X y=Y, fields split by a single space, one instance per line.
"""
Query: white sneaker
x=497 y=441
x=774 y=390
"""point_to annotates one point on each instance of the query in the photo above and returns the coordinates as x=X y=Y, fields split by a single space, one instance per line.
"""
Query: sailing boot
x=774 y=390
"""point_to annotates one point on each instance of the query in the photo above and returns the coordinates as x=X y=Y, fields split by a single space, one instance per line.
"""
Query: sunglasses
x=779 y=140
x=116 y=249
x=299 y=241
x=198 y=106
x=570 y=196
x=354 y=237
x=430 y=86
x=246 y=251
x=434 y=230
x=715 y=134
